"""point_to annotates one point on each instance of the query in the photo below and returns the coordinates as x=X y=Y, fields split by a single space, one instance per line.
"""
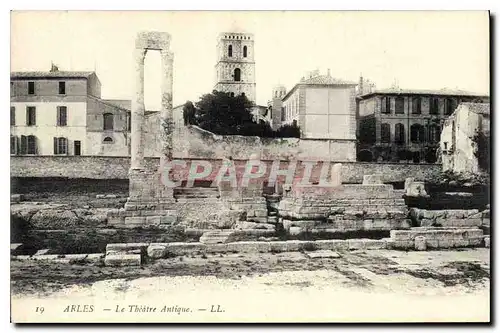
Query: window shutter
x=24 y=144
x=66 y=141
x=58 y=116
x=35 y=143
x=27 y=116
x=55 y=146
x=34 y=116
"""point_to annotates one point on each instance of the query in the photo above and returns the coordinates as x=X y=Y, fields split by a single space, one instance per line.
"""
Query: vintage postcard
x=250 y=166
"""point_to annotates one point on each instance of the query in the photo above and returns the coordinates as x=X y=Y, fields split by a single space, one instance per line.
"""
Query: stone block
x=42 y=252
x=432 y=243
x=261 y=212
x=420 y=243
x=294 y=231
x=323 y=254
x=396 y=214
x=153 y=220
x=475 y=241
x=457 y=242
x=400 y=235
x=446 y=243
x=293 y=245
x=100 y=196
x=402 y=244
x=168 y=219
x=121 y=259
x=16 y=198
x=375 y=244
x=257 y=219
x=381 y=224
x=372 y=180
x=279 y=246
x=487 y=241
x=135 y=221
x=426 y=222
x=368 y=224
x=156 y=251
x=125 y=247
x=356 y=244
x=218 y=236
x=416 y=189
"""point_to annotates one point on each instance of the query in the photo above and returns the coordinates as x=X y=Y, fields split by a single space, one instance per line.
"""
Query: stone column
x=167 y=123
x=137 y=132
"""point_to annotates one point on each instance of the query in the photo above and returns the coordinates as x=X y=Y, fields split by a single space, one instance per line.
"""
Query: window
x=450 y=106
x=237 y=74
x=400 y=105
x=62 y=116
x=62 y=88
x=107 y=140
x=244 y=51
x=13 y=145
x=282 y=113
x=434 y=133
x=12 y=116
x=30 y=116
x=385 y=133
x=417 y=133
x=434 y=106
x=386 y=105
x=31 y=88
x=232 y=94
x=28 y=145
x=60 y=146
x=416 y=106
x=230 y=51
x=129 y=122
x=108 y=121
x=399 y=136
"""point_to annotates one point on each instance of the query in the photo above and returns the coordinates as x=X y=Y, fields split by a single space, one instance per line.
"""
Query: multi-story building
x=405 y=125
x=235 y=67
x=62 y=113
x=322 y=106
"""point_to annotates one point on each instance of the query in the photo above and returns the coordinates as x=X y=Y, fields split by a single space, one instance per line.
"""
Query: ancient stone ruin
x=244 y=218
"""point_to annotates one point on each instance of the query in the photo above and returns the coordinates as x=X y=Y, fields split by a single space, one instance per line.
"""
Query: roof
x=50 y=75
x=397 y=91
x=321 y=80
x=326 y=80
x=479 y=108
x=121 y=103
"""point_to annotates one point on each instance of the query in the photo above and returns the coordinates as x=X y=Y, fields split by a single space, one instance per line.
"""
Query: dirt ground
x=377 y=285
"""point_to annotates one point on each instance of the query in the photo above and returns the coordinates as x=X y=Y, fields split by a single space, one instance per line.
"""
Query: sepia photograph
x=250 y=166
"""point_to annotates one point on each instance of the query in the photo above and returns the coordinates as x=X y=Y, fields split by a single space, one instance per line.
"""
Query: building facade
x=62 y=113
x=323 y=107
x=235 y=67
x=465 y=139
x=405 y=125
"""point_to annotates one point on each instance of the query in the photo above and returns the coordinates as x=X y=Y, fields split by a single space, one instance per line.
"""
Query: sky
x=420 y=50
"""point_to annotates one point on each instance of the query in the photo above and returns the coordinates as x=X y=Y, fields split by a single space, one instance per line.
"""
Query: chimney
x=328 y=72
x=360 y=88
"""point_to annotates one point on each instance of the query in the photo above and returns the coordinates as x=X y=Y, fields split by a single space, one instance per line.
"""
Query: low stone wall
x=194 y=142
x=94 y=167
x=343 y=208
x=449 y=217
x=434 y=238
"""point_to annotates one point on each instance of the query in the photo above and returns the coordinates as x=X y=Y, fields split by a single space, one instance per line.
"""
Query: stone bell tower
x=235 y=68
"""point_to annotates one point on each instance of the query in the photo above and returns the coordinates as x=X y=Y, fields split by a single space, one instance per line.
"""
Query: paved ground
x=379 y=285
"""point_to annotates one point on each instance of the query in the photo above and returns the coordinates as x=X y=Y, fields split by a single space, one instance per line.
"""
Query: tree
x=223 y=114
x=189 y=113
